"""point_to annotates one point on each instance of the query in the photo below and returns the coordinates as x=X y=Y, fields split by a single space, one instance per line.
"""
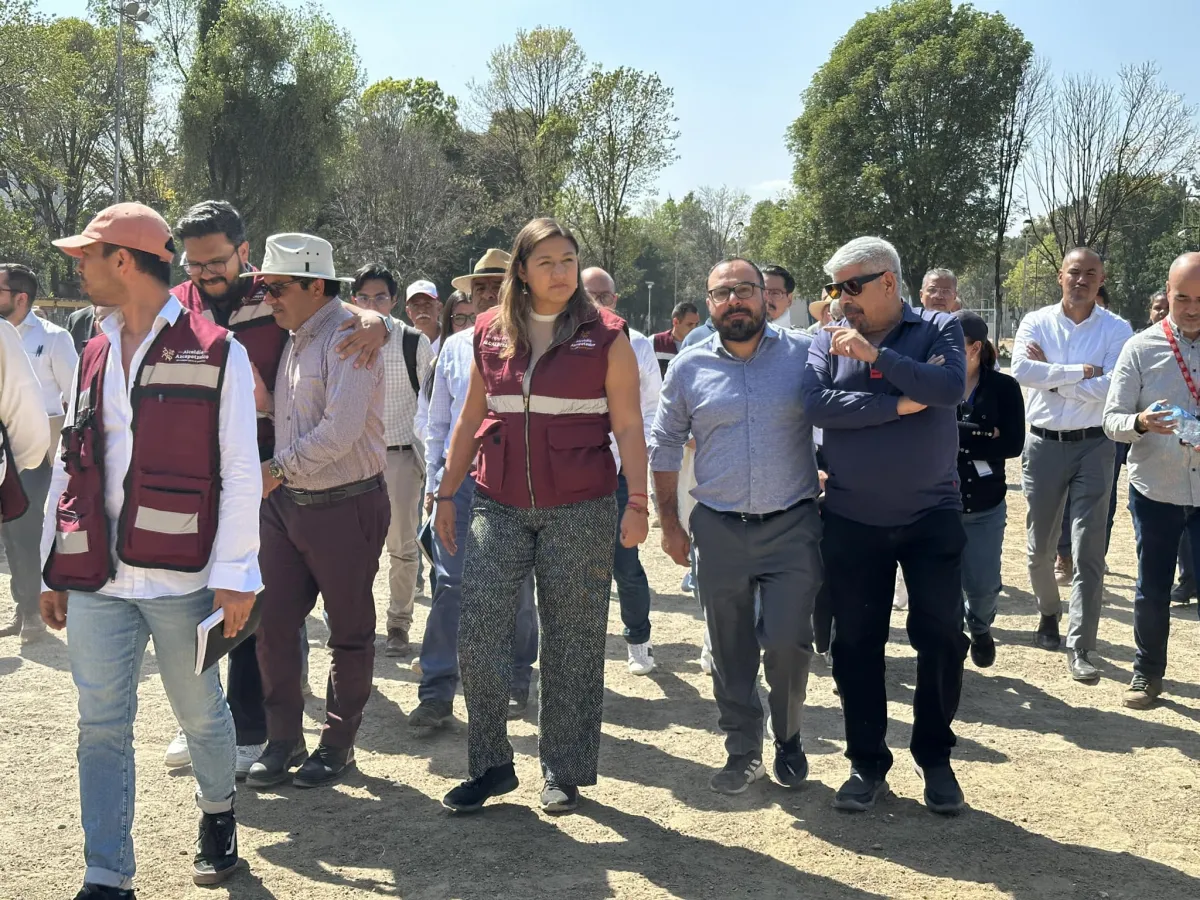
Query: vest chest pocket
x=168 y=520
x=489 y=462
x=579 y=454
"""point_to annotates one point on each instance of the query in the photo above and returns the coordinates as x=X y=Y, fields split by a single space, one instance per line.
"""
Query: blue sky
x=737 y=70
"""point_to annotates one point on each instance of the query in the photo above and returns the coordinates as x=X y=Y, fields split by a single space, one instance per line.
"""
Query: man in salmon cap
x=147 y=534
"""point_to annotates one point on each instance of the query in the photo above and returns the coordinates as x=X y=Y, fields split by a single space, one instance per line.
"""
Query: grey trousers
x=570 y=550
x=781 y=558
x=1049 y=469
x=22 y=544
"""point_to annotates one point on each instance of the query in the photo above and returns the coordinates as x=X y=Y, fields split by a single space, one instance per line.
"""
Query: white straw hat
x=298 y=255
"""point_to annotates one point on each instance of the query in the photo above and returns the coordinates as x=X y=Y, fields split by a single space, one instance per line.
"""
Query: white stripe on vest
x=188 y=374
x=71 y=542
x=546 y=406
x=166 y=522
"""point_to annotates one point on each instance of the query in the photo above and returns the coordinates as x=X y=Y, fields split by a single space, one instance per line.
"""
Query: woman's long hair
x=512 y=317
x=447 y=323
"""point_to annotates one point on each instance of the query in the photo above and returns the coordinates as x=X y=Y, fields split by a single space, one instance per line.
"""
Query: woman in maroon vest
x=553 y=375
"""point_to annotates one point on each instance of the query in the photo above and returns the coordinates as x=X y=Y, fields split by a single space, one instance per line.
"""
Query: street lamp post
x=136 y=13
x=740 y=226
x=649 y=303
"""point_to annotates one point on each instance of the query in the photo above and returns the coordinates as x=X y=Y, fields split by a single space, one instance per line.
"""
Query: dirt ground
x=1071 y=795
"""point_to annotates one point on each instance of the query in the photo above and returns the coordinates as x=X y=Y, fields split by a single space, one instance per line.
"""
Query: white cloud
x=769 y=190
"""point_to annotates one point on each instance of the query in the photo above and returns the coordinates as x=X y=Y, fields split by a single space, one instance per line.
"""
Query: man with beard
x=217 y=253
x=755 y=523
x=884 y=388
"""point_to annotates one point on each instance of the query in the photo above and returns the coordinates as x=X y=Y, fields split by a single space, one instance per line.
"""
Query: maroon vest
x=552 y=447
x=664 y=350
x=172 y=488
x=13 y=499
x=254 y=325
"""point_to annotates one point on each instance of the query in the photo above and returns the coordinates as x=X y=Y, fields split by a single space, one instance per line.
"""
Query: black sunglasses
x=852 y=286
x=276 y=290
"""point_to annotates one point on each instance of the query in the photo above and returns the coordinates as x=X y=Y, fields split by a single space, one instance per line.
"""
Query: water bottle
x=1187 y=426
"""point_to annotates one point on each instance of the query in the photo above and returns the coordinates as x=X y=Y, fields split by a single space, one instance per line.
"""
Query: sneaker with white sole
x=641 y=658
x=177 y=755
x=706 y=661
x=247 y=755
x=738 y=774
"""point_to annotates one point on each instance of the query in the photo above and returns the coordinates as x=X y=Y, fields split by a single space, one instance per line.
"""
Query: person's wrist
x=1139 y=425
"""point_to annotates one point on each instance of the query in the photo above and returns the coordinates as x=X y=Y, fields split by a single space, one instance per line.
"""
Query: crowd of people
x=248 y=440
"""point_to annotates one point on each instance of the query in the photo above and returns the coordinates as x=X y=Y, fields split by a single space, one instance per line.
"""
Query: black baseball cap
x=973 y=325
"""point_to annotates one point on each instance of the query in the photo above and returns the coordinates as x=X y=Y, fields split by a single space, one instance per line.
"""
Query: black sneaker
x=1047 y=634
x=470 y=796
x=325 y=766
x=103 y=892
x=860 y=792
x=273 y=766
x=791 y=765
x=518 y=705
x=216 y=849
x=430 y=715
x=942 y=793
x=739 y=773
x=559 y=798
x=983 y=649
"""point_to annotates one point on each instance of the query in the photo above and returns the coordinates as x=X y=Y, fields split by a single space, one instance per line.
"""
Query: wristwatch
x=276 y=471
x=388 y=325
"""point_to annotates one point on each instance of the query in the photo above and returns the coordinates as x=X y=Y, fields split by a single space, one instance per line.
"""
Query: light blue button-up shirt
x=754 y=450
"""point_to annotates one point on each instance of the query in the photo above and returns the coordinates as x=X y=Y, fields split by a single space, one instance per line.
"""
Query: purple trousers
x=332 y=550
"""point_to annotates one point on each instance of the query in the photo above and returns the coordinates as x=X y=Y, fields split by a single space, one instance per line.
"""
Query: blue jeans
x=633 y=590
x=439 y=645
x=1157 y=528
x=981 y=565
x=106 y=640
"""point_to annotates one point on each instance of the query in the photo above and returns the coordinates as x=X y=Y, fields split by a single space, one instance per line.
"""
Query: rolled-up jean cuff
x=214 y=807
x=106 y=878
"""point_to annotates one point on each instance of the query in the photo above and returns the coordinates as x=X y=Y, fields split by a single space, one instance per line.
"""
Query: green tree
x=265 y=110
x=900 y=126
x=626 y=137
x=412 y=101
x=525 y=114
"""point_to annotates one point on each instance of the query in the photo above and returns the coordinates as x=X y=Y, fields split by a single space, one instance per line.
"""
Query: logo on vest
x=584 y=341
x=185 y=356
x=168 y=354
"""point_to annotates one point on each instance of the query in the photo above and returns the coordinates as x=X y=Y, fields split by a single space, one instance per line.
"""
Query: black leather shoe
x=860 y=792
x=791 y=765
x=103 y=892
x=942 y=793
x=983 y=649
x=273 y=766
x=325 y=766
x=470 y=796
x=216 y=849
x=1048 y=637
x=1082 y=668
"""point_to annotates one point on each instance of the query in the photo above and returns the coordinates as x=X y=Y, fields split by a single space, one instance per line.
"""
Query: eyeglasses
x=776 y=294
x=743 y=290
x=373 y=298
x=604 y=298
x=276 y=290
x=216 y=267
x=852 y=286
x=463 y=319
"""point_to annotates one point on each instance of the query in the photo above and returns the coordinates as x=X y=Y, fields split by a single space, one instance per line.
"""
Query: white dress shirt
x=650 y=378
x=52 y=353
x=451 y=377
x=1058 y=396
x=233 y=564
x=21 y=408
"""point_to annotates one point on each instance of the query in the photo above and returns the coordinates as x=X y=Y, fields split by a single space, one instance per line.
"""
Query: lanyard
x=1187 y=375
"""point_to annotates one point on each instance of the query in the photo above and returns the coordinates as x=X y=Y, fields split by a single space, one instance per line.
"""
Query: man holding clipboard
x=152 y=525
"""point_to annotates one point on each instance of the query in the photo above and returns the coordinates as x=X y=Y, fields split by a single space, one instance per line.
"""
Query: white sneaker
x=247 y=755
x=641 y=658
x=177 y=755
x=706 y=661
x=900 y=598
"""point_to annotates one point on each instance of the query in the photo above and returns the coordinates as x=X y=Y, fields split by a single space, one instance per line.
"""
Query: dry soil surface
x=1071 y=795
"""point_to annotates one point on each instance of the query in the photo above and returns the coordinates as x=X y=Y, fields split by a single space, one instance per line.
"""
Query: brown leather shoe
x=397 y=643
x=1064 y=570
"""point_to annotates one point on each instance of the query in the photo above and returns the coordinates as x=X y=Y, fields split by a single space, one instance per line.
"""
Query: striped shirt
x=328 y=414
x=399 y=398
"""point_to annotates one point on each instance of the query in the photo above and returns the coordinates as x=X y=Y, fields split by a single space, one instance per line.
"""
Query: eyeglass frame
x=732 y=291
x=200 y=268
x=467 y=319
x=835 y=288
x=276 y=289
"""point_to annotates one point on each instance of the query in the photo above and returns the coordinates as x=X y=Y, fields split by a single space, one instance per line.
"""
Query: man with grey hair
x=1063 y=355
x=939 y=291
x=884 y=386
